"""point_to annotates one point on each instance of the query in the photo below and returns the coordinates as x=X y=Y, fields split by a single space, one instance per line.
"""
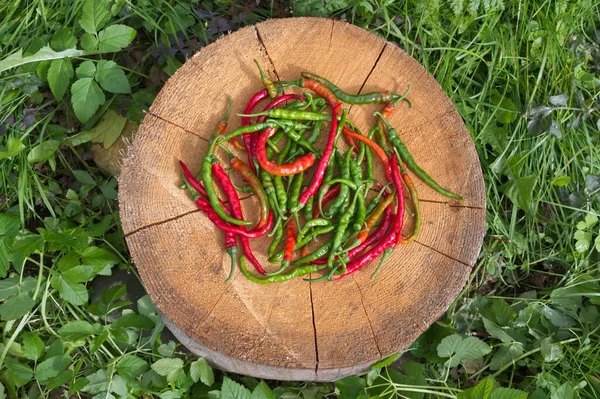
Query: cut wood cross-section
x=297 y=330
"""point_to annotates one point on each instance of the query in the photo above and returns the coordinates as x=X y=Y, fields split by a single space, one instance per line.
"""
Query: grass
x=524 y=76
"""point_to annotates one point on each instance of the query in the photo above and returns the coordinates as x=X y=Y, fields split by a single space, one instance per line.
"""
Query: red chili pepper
x=246 y=120
x=395 y=229
x=383 y=158
x=332 y=193
x=236 y=209
x=256 y=232
x=245 y=171
x=298 y=165
x=374 y=216
x=322 y=166
x=321 y=90
x=277 y=101
x=290 y=243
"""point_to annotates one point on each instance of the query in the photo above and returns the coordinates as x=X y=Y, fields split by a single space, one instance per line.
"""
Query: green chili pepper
x=342 y=225
x=299 y=271
x=303 y=241
x=296 y=186
x=329 y=171
x=360 y=214
x=287 y=114
x=276 y=239
x=395 y=140
x=351 y=184
x=344 y=196
x=385 y=255
x=308 y=208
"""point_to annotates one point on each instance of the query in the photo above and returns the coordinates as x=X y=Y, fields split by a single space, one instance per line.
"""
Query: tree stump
x=297 y=330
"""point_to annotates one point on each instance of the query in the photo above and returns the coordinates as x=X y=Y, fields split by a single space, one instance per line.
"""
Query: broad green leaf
x=507 y=110
x=118 y=386
x=86 y=97
x=386 y=361
x=98 y=382
x=98 y=257
x=9 y=287
x=561 y=181
x=597 y=243
x=111 y=77
x=232 y=390
x=201 y=371
x=557 y=318
x=61 y=379
x=73 y=293
x=43 y=151
x=9 y=224
x=13 y=147
x=518 y=189
x=552 y=351
x=99 y=341
x=167 y=349
x=115 y=38
x=591 y=220
x=4 y=264
x=94 y=15
x=33 y=346
x=506 y=355
x=131 y=367
x=63 y=39
x=18 y=369
x=16 y=307
x=133 y=321
x=503 y=312
x=77 y=330
x=483 y=390
x=350 y=387
x=89 y=42
x=496 y=331
x=44 y=54
x=51 y=367
x=80 y=273
x=459 y=349
x=80 y=138
x=86 y=69
x=59 y=77
x=113 y=293
x=169 y=368
x=24 y=245
x=565 y=391
x=507 y=393
x=262 y=391
x=109 y=129
x=84 y=177
x=495 y=136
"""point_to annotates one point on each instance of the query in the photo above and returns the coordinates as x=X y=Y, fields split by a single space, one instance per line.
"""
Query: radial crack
x=176 y=125
x=161 y=222
x=264 y=49
x=367 y=316
x=312 y=309
x=441 y=253
x=370 y=72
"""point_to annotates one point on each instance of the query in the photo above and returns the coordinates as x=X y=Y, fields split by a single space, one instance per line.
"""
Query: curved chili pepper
x=299 y=271
x=290 y=243
x=254 y=100
x=281 y=113
x=415 y=201
x=298 y=165
x=383 y=158
x=321 y=90
x=342 y=225
x=236 y=210
x=276 y=239
x=410 y=162
x=332 y=193
x=256 y=232
x=274 y=103
x=344 y=197
x=267 y=82
x=367 y=98
x=374 y=217
x=318 y=176
x=232 y=250
x=245 y=171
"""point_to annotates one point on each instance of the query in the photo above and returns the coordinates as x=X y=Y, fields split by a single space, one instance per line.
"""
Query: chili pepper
x=277 y=238
x=297 y=138
x=344 y=197
x=280 y=113
x=256 y=232
x=296 y=186
x=345 y=182
x=290 y=243
x=415 y=201
x=308 y=208
x=274 y=103
x=280 y=191
x=232 y=250
x=360 y=214
x=342 y=225
x=318 y=176
x=410 y=162
x=206 y=174
x=385 y=255
x=356 y=172
x=332 y=193
x=383 y=158
x=299 y=271
x=189 y=177
x=301 y=243
x=387 y=112
x=395 y=229
x=304 y=251
x=254 y=100
x=318 y=222
x=236 y=210
x=300 y=164
x=245 y=171
x=267 y=82
x=321 y=90
x=374 y=217
x=327 y=176
x=369 y=175
x=314 y=257
x=367 y=98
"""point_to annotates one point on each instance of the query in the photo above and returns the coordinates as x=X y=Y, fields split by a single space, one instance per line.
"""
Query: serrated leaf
x=169 y=368
x=98 y=382
x=9 y=287
x=111 y=77
x=557 y=318
x=559 y=100
x=51 y=367
x=167 y=349
x=87 y=97
x=201 y=371
x=84 y=177
x=16 y=307
x=591 y=220
x=63 y=39
x=94 y=15
x=507 y=393
x=33 y=346
x=78 y=330
x=73 y=293
x=115 y=38
x=43 y=151
x=89 y=42
x=131 y=366
x=483 y=390
x=507 y=110
x=61 y=379
x=262 y=391
x=386 y=361
x=552 y=351
x=597 y=243
x=565 y=391
x=44 y=54
x=133 y=321
x=13 y=147
x=495 y=136
x=232 y=390
x=60 y=74
x=496 y=331
x=86 y=69
x=350 y=387
x=109 y=129
x=21 y=370
x=459 y=349
x=505 y=355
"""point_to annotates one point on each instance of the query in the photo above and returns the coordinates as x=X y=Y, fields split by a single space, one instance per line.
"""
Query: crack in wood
x=160 y=222
x=263 y=47
x=451 y=205
x=176 y=125
x=312 y=308
x=331 y=34
x=367 y=316
x=362 y=86
x=441 y=253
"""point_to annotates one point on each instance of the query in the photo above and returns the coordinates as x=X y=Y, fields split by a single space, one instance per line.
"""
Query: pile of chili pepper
x=323 y=208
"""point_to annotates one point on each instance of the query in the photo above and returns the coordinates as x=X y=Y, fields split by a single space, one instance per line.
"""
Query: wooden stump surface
x=297 y=330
